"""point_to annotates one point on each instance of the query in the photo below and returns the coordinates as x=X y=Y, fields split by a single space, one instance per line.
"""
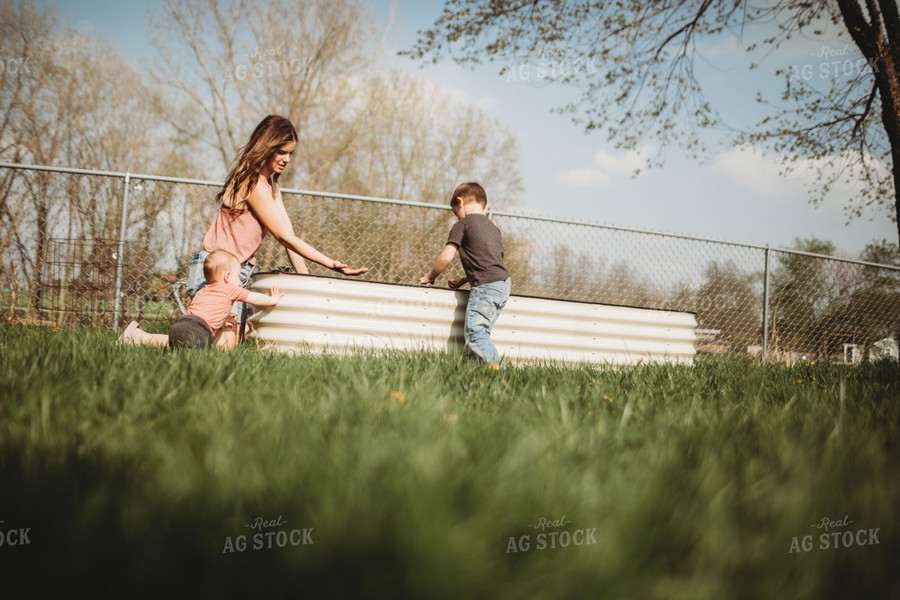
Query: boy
x=481 y=252
x=207 y=321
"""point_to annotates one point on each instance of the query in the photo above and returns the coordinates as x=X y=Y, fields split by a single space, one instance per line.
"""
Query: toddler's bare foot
x=128 y=336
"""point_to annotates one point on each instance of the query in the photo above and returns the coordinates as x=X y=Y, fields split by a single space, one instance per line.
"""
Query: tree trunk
x=873 y=38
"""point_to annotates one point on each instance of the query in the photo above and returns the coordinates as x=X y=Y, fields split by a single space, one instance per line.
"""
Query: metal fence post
x=120 y=254
x=765 y=312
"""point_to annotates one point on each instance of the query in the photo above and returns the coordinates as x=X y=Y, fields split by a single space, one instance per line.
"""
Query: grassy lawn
x=136 y=472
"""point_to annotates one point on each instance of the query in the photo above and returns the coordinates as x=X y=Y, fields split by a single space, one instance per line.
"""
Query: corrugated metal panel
x=319 y=313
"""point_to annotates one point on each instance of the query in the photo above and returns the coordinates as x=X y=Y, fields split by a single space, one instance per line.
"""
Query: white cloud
x=759 y=171
x=584 y=178
x=606 y=165
x=627 y=162
x=750 y=167
x=440 y=90
x=734 y=44
x=727 y=46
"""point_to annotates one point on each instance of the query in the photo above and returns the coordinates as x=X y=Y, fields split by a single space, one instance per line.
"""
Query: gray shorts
x=190 y=331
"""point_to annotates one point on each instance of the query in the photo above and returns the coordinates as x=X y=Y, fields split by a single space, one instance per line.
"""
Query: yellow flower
x=494 y=366
x=798 y=381
x=398 y=396
x=607 y=398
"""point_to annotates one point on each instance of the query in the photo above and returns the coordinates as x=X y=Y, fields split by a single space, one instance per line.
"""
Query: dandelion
x=798 y=381
x=494 y=366
x=607 y=398
x=398 y=396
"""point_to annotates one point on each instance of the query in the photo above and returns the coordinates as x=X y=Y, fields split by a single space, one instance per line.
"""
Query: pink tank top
x=236 y=230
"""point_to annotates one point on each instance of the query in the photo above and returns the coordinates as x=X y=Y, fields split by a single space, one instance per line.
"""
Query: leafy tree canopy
x=638 y=79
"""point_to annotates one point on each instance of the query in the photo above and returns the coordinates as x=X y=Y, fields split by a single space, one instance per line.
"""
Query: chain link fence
x=96 y=248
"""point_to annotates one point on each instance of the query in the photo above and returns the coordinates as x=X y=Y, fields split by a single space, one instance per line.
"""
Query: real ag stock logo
x=268 y=534
x=835 y=63
x=553 y=534
x=836 y=534
x=11 y=537
x=267 y=63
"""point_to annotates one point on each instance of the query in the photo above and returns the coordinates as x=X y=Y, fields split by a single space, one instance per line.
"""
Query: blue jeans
x=197 y=280
x=485 y=303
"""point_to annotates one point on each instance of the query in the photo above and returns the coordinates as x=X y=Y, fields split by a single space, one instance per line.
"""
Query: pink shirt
x=236 y=228
x=238 y=231
x=213 y=303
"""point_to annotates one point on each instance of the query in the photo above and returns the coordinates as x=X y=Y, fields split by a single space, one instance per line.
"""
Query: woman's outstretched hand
x=342 y=268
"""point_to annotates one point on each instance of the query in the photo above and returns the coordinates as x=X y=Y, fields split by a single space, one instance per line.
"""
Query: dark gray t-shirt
x=480 y=249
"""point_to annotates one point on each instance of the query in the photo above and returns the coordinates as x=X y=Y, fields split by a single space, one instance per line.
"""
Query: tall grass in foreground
x=420 y=475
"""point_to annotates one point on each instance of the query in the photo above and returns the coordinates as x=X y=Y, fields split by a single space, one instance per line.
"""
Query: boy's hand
x=276 y=293
x=426 y=280
x=455 y=283
x=342 y=268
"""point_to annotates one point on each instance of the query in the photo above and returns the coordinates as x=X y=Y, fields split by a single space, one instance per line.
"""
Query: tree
x=412 y=141
x=74 y=100
x=24 y=30
x=360 y=132
x=635 y=64
x=880 y=302
x=873 y=311
x=727 y=301
x=230 y=63
x=415 y=141
x=573 y=275
x=800 y=295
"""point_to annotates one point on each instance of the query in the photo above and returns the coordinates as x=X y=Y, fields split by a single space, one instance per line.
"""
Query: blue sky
x=736 y=194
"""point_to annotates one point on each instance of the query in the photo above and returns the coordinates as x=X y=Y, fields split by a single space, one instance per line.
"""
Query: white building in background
x=852 y=354
x=884 y=348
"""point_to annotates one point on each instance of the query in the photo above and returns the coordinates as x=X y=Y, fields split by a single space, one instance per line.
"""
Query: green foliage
x=727 y=301
x=133 y=466
x=817 y=306
x=635 y=64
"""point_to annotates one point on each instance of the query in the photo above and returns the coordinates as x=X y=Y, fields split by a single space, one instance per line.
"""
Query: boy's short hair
x=216 y=263
x=469 y=191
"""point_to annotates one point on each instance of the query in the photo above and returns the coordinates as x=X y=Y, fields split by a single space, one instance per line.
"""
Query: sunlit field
x=136 y=472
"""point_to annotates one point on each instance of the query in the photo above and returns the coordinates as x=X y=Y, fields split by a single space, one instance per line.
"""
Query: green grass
x=133 y=466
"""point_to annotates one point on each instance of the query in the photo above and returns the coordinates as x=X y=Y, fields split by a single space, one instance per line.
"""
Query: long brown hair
x=271 y=134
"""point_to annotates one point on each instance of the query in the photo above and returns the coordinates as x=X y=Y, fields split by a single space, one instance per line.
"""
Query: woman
x=250 y=206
